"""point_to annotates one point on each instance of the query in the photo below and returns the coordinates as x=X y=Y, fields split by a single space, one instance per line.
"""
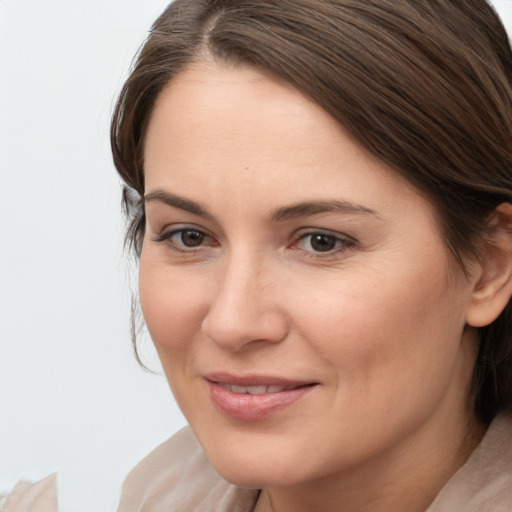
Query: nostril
x=236 y=331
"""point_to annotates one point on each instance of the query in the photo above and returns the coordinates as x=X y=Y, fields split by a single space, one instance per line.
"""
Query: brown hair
x=423 y=84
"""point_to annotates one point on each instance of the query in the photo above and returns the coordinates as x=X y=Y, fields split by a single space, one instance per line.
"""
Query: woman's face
x=298 y=292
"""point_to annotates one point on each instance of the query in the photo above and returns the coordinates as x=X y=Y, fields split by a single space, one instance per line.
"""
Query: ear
x=493 y=280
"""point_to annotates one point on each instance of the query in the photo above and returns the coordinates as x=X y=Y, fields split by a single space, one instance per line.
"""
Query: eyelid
x=165 y=235
x=346 y=241
x=309 y=231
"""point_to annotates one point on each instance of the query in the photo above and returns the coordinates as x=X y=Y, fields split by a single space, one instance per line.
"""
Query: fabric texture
x=29 y=497
x=178 y=476
x=484 y=483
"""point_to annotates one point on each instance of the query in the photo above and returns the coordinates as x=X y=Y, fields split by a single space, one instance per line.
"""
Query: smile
x=253 y=398
x=255 y=390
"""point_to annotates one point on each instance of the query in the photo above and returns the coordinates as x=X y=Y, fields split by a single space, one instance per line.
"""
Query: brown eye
x=191 y=238
x=323 y=243
x=186 y=239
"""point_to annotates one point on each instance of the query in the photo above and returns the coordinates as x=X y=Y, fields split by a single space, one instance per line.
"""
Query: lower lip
x=244 y=406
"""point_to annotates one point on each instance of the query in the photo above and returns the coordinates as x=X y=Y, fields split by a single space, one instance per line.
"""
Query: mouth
x=256 y=390
x=254 y=397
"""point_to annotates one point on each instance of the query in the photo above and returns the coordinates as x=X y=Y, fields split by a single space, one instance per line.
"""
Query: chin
x=253 y=475
x=257 y=467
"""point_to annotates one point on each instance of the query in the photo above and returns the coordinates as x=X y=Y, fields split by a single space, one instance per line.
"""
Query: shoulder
x=484 y=483
x=28 y=497
x=178 y=476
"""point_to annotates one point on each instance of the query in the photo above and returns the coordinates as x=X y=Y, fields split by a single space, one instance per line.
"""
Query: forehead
x=233 y=105
x=222 y=132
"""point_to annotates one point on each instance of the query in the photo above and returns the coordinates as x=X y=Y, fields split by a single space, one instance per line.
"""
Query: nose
x=245 y=309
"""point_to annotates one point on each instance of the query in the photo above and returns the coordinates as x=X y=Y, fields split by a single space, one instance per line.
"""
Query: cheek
x=380 y=331
x=173 y=307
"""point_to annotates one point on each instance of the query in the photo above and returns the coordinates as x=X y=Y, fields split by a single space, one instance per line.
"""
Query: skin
x=378 y=322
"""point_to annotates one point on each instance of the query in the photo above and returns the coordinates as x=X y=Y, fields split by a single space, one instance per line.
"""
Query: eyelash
x=341 y=243
x=166 y=237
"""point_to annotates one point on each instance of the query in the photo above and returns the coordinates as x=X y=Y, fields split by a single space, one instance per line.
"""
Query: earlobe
x=493 y=288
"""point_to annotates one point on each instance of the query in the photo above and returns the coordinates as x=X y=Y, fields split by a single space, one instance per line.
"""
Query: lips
x=255 y=390
x=252 y=398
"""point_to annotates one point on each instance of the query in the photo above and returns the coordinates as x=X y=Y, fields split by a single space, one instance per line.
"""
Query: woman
x=319 y=194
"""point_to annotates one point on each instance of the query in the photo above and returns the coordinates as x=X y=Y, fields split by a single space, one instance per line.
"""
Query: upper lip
x=254 y=380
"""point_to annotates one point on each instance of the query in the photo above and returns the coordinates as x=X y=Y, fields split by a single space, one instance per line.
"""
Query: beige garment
x=177 y=476
x=484 y=483
x=28 y=497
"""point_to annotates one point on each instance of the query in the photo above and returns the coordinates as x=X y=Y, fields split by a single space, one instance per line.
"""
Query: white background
x=72 y=398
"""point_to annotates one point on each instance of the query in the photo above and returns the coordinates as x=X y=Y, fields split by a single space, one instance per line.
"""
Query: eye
x=188 y=237
x=185 y=239
x=319 y=242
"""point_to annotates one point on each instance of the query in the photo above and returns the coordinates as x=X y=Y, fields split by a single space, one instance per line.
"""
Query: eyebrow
x=303 y=209
x=160 y=196
x=317 y=207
